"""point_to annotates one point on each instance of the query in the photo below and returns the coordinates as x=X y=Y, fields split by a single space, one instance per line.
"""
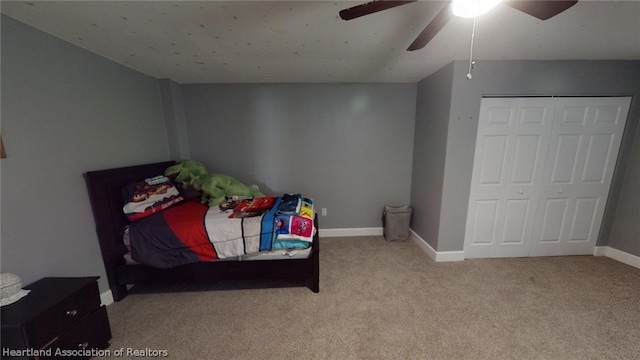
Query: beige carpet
x=389 y=300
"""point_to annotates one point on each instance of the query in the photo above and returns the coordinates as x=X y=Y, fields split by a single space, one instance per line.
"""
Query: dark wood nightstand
x=59 y=316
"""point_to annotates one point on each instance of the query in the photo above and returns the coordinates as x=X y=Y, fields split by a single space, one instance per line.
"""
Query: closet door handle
x=520 y=192
x=560 y=191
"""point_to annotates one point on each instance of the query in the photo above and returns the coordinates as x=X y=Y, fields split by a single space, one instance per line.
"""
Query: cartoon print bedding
x=193 y=232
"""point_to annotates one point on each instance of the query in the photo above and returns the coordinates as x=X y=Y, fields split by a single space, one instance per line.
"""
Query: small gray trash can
x=395 y=220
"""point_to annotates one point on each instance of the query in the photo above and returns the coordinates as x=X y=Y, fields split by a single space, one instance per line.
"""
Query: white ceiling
x=306 y=41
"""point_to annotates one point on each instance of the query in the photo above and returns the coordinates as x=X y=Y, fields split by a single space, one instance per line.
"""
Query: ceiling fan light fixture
x=472 y=8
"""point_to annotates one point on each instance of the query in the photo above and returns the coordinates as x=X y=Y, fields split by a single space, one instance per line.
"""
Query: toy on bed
x=215 y=187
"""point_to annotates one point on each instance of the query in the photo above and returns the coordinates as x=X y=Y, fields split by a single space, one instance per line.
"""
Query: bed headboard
x=104 y=188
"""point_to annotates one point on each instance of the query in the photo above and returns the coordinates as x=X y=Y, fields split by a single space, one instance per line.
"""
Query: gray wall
x=429 y=153
x=65 y=111
x=580 y=78
x=625 y=225
x=349 y=146
x=173 y=109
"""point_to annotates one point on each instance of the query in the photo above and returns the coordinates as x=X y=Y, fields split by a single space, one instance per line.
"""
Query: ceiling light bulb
x=472 y=8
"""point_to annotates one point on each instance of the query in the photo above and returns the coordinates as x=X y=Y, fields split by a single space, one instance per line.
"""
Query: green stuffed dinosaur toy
x=215 y=187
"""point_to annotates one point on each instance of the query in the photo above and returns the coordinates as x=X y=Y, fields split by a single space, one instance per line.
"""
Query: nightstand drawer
x=92 y=333
x=66 y=314
x=60 y=312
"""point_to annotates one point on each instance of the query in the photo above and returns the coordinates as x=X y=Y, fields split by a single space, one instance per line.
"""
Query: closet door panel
x=508 y=166
x=554 y=213
x=583 y=220
x=598 y=155
x=583 y=150
x=493 y=158
x=485 y=215
x=563 y=160
x=527 y=150
x=542 y=173
x=515 y=221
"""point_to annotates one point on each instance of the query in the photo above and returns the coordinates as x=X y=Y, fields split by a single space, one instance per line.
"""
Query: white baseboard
x=442 y=256
x=600 y=251
x=618 y=255
x=431 y=252
x=351 y=232
x=437 y=256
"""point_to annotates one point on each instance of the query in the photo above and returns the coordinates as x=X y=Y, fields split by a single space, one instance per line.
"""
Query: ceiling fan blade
x=370 y=8
x=438 y=22
x=541 y=9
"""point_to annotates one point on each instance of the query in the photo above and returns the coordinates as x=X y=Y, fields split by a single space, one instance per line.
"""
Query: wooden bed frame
x=105 y=193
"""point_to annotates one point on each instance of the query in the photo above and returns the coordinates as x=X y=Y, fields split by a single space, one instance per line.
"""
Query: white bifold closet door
x=541 y=175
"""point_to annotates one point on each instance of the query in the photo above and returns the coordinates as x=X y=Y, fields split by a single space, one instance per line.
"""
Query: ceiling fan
x=540 y=9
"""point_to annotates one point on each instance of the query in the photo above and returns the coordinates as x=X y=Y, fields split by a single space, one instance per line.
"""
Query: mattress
x=264 y=255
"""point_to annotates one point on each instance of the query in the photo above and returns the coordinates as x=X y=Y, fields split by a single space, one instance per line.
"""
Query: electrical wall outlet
x=324 y=211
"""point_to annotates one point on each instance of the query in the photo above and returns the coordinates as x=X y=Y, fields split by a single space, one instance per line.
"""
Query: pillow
x=144 y=198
